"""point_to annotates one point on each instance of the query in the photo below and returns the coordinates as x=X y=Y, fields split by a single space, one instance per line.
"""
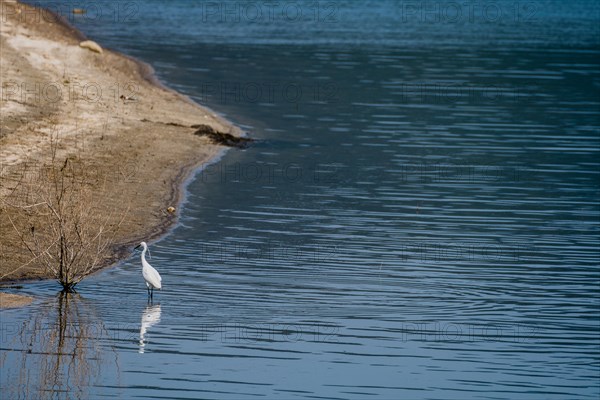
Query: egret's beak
x=137 y=247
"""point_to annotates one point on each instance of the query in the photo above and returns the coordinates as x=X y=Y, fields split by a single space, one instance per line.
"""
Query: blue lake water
x=418 y=219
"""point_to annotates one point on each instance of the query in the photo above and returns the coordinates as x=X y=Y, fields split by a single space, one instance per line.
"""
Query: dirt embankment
x=107 y=112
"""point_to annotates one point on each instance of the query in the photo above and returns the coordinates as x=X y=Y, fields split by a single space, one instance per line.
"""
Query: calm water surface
x=418 y=219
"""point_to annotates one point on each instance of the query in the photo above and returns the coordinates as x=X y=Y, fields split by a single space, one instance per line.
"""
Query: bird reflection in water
x=150 y=317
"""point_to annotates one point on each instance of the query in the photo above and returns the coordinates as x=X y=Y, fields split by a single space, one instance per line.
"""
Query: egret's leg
x=148 y=290
x=151 y=293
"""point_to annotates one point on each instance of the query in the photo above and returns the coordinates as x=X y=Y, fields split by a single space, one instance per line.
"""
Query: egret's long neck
x=144 y=253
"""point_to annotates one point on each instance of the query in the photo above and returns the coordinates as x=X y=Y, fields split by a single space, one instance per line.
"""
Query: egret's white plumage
x=151 y=276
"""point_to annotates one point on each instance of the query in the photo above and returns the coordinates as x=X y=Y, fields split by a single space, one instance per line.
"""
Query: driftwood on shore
x=225 y=139
x=217 y=137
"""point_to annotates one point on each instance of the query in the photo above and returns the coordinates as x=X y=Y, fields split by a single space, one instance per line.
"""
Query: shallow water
x=419 y=218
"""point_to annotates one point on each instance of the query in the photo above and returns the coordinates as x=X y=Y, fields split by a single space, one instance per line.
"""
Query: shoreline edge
x=146 y=133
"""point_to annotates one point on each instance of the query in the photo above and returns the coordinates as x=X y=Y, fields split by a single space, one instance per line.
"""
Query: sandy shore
x=8 y=300
x=109 y=113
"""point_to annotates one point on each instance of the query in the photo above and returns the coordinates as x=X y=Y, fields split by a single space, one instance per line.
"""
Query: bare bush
x=55 y=210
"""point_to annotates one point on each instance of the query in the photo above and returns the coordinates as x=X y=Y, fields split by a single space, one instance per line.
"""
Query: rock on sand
x=93 y=46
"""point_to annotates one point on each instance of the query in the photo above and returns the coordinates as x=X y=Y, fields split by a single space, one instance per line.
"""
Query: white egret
x=151 y=276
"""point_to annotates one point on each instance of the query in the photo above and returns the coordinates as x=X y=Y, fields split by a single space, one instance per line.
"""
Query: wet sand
x=8 y=300
x=109 y=113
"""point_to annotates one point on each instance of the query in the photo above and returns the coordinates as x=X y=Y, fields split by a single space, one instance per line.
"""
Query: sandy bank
x=108 y=113
x=8 y=300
